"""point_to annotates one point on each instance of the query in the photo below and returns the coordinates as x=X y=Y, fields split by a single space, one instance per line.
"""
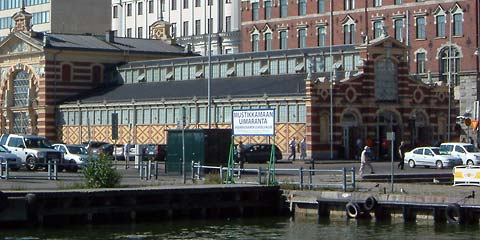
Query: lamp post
x=414 y=128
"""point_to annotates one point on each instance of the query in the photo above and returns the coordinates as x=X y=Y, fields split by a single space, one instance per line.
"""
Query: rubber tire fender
x=454 y=213
x=370 y=203
x=352 y=210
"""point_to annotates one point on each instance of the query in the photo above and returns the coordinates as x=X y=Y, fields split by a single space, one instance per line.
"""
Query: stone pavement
x=131 y=179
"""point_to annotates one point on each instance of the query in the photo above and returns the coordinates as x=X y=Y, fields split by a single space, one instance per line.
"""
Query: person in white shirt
x=293 y=148
x=303 y=149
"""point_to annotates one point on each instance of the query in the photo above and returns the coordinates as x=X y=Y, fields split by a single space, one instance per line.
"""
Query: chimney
x=110 y=36
x=46 y=40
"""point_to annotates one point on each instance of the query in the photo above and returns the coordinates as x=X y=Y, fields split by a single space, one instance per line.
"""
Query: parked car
x=14 y=162
x=469 y=154
x=260 y=153
x=75 y=156
x=118 y=152
x=108 y=149
x=156 y=152
x=92 y=146
x=431 y=157
x=34 y=151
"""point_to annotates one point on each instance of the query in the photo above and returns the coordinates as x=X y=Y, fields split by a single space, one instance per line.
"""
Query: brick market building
x=439 y=35
x=40 y=70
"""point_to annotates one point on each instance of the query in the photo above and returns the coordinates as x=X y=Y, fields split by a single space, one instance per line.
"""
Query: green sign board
x=114 y=126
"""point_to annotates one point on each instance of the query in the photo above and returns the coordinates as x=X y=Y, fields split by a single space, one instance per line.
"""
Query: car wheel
x=439 y=164
x=73 y=166
x=411 y=163
x=31 y=164
x=469 y=162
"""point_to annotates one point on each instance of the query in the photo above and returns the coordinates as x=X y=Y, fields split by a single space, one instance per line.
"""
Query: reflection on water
x=258 y=228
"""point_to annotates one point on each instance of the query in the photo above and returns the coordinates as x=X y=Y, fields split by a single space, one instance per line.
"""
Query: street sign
x=390 y=136
x=114 y=126
x=468 y=122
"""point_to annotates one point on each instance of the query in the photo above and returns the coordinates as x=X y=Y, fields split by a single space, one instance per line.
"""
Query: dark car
x=156 y=152
x=105 y=149
x=260 y=153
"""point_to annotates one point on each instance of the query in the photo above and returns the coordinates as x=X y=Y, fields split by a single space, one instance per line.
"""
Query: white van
x=469 y=154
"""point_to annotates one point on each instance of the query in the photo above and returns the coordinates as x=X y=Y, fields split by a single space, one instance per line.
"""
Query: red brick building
x=439 y=35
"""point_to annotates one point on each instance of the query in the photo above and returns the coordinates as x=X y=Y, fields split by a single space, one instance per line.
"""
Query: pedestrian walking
x=365 y=160
x=358 y=150
x=401 y=153
x=241 y=154
x=293 y=147
x=126 y=151
x=303 y=149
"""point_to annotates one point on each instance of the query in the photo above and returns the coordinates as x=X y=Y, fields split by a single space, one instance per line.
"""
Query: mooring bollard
x=140 y=170
x=221 y=174
x=149 y=169
x=310 y=179
x=301 y=178
x=353 y=178
x=259 y=175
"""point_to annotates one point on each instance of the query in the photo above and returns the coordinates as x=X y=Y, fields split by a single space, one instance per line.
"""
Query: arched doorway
x=351 y=132
x=387 y=121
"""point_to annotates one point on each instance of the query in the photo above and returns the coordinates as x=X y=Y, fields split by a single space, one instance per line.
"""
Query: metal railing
x=343 y=178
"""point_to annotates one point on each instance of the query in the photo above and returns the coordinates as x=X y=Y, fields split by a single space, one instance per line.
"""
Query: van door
x=460 y=152
x=17 y=147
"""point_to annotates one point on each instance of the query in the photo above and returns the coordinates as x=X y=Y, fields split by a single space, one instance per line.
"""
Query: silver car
x=75 y=156
x=14 y=162
x=430 y=157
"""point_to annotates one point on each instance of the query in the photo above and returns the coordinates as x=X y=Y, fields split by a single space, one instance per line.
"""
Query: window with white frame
x=283 y=39
x=302 y=7
x=398 y=25
x=349 y=32
x=302 y=38
x=421 y=61
x=255 y=42
x=440 y=22
x=349 y=4
x=377 y=3
x=268 y=9
x=255 y=11
x=283 y=8
x=321 y=6
x=267 y=37
x=420 y=23
x=140 y=8
x=458 y=24
x=377 y=28
x=322 y=36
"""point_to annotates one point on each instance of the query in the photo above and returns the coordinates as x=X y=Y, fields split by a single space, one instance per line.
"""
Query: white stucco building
x=189 y=21
x=59 y=16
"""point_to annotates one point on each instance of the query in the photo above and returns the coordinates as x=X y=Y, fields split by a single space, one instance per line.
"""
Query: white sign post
x=391 y=138
x=258 y=122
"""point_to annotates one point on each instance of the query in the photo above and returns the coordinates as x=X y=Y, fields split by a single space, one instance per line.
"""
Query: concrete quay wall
x=51 y=207
x=385 y=206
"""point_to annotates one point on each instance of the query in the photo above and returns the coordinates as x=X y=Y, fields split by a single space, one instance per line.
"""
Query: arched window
x=66 y=73
x=450 y=65
x=20 y=89
x=20 y=99
x=96 y=74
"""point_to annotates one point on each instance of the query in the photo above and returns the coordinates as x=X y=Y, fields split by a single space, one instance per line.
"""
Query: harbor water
x=252 y=228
